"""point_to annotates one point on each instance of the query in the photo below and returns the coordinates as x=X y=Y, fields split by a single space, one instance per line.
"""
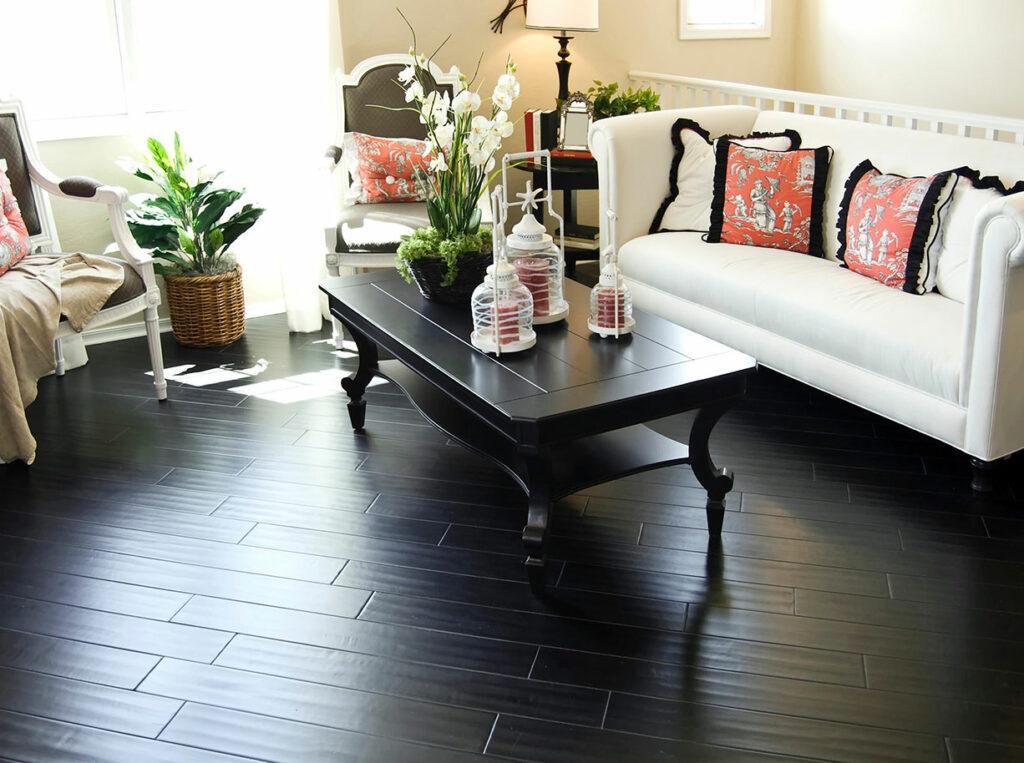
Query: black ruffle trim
x=714 y=234
x=822 y=166
x=859 y=172
x=989 y=182
x=917 y=257
x=822 y=161
x=677 y=141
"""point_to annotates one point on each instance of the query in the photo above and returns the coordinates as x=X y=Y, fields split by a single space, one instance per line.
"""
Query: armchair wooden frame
x=44 y=184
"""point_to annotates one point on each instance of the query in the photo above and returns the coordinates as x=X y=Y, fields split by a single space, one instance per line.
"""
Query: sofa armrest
x=634 y=156
x=994 y=336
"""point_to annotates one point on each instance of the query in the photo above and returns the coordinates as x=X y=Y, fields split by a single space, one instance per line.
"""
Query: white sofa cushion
x=911 y=339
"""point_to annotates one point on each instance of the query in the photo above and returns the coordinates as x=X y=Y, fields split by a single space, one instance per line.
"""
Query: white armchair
x=32 y=184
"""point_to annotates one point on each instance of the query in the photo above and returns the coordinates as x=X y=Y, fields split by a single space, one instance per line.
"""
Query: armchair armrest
x=634 y=155
x=993 y=360
x=79 y=188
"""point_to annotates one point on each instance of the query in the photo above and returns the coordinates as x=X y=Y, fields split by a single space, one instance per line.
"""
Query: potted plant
x=609 y=101
x=448 y=259
x=189 y=227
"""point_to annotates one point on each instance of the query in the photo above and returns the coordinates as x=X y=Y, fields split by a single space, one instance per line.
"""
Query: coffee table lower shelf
x=563 y=468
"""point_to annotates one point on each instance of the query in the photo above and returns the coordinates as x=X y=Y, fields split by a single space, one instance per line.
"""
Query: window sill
x=724 y=34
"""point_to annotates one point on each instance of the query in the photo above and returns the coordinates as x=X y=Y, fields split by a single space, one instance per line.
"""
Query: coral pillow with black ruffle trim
x=772 y=199
x=888 y=224
x=691 y=177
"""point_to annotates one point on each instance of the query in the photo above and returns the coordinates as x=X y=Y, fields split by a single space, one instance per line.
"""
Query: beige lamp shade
x=568 y=15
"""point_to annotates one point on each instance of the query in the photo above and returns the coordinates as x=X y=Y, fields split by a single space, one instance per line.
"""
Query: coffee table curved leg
x=717 y=482
x=356 y=384
x=535 y=534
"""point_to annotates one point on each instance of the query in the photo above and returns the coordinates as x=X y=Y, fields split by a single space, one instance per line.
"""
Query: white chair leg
x=156 y=353
x=58 y=354
x=337 y=333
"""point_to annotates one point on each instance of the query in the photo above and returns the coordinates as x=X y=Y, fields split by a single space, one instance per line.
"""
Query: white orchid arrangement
x=461 y=142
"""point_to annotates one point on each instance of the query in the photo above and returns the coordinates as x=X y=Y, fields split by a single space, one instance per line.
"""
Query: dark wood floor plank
x=452 y=650
x=29 y=739
x=190 y=579
x=74 y=659
x=324 y=705
x=274 y=739
x=333 y=520
x=88 y=704
x=170 y=548
x=585 y=605
x=972 y=751
x=528 y=739
x=995 y=687
x=966 y=592
x=687 y=588
x=130 y=517
x=767 y=732
x=655 y=645
x=106 y=629
x=91 y=593
x=419 y=555
x=429 y=683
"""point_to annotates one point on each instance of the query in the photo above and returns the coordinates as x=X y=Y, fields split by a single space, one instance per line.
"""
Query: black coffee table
x=558 y=418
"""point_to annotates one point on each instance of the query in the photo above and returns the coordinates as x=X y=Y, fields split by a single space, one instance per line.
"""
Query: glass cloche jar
x=502 y=306
x=611 y=306
x=539 y=262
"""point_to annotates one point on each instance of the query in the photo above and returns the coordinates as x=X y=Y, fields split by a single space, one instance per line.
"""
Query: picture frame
x=575 y=118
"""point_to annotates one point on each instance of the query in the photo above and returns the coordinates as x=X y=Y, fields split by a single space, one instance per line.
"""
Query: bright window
x=713 y=19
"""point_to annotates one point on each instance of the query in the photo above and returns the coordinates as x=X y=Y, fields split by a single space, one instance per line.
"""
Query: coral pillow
x=769 y=198
x=692 y=175
x=14 y=244
x=952 y=252
x=888 y=224
x=383 y=170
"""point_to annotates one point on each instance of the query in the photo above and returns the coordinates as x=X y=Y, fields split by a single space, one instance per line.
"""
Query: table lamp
x=563 y=16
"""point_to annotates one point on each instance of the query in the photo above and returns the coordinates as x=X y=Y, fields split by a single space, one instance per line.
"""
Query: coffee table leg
x=535 y=533
x=717 y=482
x=356 y=384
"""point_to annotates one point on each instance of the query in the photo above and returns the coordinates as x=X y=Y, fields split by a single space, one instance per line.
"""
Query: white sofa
x=953 y=371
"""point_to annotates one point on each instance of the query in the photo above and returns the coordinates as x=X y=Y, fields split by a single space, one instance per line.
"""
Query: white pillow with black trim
x=953 y=252
x=692 y=175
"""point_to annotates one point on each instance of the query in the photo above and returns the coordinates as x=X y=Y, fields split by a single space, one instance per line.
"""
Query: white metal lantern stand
x=531 y=249
x=502 y=305
x=611 y=306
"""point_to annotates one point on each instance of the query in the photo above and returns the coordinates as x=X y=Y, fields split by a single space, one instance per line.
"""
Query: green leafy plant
x=186 y=225
x=431 y=242
x=610 y=101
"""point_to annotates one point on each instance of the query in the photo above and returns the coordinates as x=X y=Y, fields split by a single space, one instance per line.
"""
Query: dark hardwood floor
x=237 y=575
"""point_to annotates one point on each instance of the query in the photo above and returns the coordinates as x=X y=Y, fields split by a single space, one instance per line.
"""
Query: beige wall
x=634 y=34
x=950 y=54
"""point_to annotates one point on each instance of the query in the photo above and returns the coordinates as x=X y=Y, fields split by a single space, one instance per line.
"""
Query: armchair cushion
x=378 y=227
x=383 y=170
x=14 y=243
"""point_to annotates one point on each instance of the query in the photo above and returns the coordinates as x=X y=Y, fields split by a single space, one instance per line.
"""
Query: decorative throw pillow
x=952 y=252
x=769 y=198
x=688 y=204
x=14 y=243
x=383 y=170
x=889 y=223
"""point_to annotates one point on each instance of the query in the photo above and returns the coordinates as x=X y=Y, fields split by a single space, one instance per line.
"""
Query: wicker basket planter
x=207 y=311
x=429 y=272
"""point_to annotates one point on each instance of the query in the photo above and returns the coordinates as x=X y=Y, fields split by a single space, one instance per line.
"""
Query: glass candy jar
x=502 y=312
x=611 y=306
x=540 y=265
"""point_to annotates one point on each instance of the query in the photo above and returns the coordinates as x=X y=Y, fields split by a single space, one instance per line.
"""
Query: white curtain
x=252 y=85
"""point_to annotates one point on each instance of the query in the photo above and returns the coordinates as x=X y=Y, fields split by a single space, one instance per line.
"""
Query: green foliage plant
x=431 y=242
x=610 y=101
x=190 y=225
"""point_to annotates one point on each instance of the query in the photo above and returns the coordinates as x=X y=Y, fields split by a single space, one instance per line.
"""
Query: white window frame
x=105 y=125
x=694 y=32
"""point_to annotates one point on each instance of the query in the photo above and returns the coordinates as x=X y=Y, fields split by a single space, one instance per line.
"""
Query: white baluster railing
x=683 y=92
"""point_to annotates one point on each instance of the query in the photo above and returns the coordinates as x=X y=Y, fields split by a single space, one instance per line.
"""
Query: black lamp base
x=563 y=66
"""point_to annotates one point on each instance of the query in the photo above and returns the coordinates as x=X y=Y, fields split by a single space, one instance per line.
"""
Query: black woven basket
x=429 y=272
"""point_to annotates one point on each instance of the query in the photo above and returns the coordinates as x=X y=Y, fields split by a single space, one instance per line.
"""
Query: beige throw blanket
x=33 y=296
